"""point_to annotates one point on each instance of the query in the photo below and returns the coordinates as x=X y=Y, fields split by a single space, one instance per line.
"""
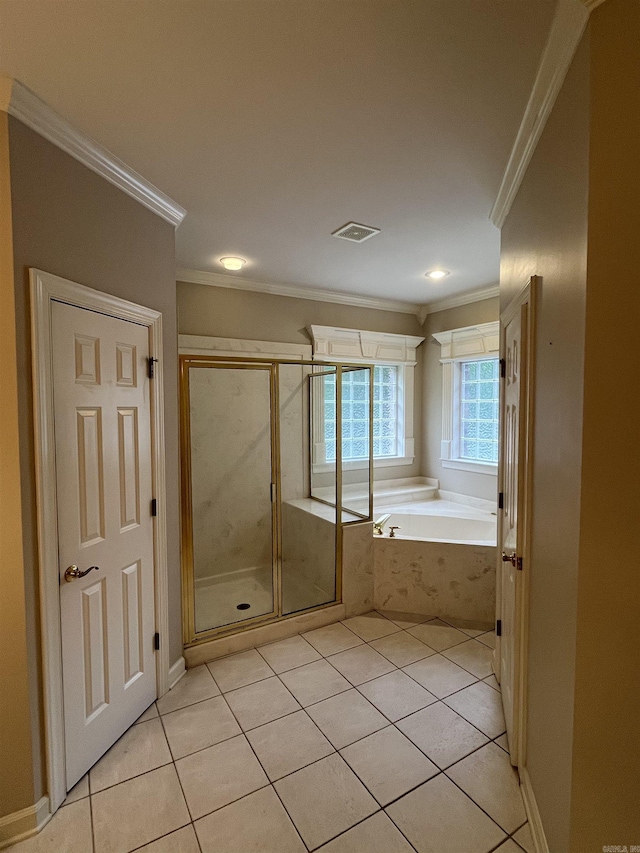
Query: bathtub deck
x=438 y=506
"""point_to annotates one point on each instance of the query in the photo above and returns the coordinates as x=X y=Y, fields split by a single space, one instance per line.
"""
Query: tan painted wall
x=222 y=312
x=70 y=222
x=606 y=753
x=575 y=222
x=16 y=770
x=466 y=483
x=546 y=234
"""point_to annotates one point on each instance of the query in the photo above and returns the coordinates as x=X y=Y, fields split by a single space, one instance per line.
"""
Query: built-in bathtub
x=441 y=560
x=440 y=521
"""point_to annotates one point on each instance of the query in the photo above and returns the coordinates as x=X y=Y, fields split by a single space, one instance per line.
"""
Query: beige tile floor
x=383 y=734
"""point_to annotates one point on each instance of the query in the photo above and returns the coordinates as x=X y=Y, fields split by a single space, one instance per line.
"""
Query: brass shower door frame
x=192 y=637
x=190 y=634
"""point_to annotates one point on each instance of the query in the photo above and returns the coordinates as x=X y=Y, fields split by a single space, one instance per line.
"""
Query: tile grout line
x=184 y=796
x=270 y=783
x=477 y=805
x=135 y=776
x=335 y=751
x=351 y=687
x=93 y=834
x=166 y=835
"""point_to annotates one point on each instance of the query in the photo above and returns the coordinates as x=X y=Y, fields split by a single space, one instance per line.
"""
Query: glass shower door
x=308 y=527
x=231 y=471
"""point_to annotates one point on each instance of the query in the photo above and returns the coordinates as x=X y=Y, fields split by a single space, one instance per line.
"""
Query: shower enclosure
x=276 y=459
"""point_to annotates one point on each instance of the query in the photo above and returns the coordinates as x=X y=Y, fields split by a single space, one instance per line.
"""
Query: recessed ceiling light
x=233 y=263
x=437 y=274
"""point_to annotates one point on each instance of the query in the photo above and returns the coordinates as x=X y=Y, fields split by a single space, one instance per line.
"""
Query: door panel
x=96 y=663
x=129 y=468
x=104 y=491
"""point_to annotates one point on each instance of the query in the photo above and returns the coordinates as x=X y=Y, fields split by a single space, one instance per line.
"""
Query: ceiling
x=275 y=122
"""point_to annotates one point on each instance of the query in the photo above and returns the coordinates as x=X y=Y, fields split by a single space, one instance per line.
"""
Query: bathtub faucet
x=378 y=526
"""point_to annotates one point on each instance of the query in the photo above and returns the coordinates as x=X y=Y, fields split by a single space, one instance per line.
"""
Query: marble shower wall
x=436 y=578
x=230 y=469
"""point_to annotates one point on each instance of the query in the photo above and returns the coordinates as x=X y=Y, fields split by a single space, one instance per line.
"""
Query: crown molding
x=213 y=279
x=568 y=25
x=461 y=299
x=20 y=102
x=423 y=311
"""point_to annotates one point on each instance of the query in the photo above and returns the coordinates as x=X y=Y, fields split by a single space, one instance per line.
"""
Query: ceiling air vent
x=356 y=233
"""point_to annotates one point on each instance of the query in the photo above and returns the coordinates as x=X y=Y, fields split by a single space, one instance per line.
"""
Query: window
x=470 y=398
x=478 y=410
x=355 y=414
x=394 y=359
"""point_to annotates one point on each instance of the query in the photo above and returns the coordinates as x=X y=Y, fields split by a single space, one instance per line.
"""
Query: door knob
x=74 y=572
x=509 y=558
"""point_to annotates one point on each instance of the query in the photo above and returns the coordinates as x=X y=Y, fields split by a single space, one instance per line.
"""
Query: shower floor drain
x=243 y=606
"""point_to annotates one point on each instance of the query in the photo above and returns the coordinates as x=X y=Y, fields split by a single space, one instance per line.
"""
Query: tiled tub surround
x=381 y=734
x=436 y=579
x=446 y=572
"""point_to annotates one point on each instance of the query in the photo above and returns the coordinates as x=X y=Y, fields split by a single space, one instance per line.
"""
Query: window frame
x=470 y=343
x=371 y=349
x=322 y=465
x=456 y=455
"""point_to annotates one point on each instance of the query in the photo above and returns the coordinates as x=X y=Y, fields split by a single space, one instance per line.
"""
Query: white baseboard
x=25 y=823
x=531 y=807
x=176 y=671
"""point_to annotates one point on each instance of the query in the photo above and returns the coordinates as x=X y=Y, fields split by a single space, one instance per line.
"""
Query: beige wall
x=16 y=766
x=70 y=222
x=606 y=753
x=545 y=234
x=466 y=483
x=575 y=222
x=222 y=312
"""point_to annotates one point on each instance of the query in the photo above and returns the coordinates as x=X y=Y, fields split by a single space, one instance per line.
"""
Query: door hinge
x=498 y=627
x=501 y=500
x=519 y=563
x=154 y=507
x=503 y=368
x=156 y=641
x=152 y=361
x=273 y=492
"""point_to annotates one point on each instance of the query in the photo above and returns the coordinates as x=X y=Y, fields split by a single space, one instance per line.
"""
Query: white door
x=509 y=543
x=103 y=472
x=514 y=465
